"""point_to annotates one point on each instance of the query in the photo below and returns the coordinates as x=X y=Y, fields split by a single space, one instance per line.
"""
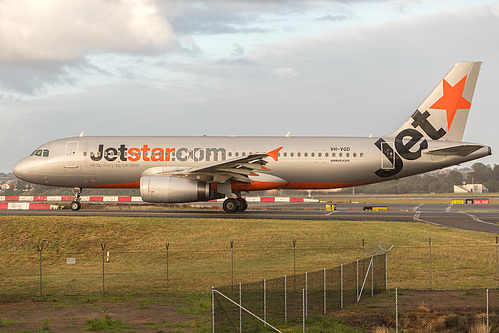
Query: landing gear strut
x=75 y=204
x=232 y=205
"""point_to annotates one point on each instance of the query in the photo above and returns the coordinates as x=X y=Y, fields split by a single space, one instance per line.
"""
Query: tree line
x=437 y=182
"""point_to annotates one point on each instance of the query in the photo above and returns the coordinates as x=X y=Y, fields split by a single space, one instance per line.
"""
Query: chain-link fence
x=84 y=267
x=297 y=297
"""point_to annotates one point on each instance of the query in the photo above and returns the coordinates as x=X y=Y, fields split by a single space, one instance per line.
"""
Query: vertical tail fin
x=443 y=114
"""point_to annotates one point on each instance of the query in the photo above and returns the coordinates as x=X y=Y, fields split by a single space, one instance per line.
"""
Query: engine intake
x=163 y=189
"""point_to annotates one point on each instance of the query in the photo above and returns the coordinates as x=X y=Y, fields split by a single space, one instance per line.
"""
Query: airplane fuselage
x=303 y=162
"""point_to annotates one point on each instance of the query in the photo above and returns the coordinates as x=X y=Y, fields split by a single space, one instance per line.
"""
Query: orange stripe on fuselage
x=127 y=185
x=257 y=186
x=321 y=186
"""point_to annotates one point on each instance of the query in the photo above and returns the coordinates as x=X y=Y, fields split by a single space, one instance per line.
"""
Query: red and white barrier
x=25 y=206
x=69 y=198
x=275 y=199
x=134 y=199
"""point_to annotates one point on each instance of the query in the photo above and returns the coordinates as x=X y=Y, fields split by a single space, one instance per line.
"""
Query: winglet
x=274 y=153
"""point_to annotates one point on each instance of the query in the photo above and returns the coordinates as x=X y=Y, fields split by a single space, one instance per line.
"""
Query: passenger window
x=354 y=154
x=305 y=154
x=341 y=154
x=361 y=154
x=285 y=154
x=348 y=154
x=237 y=154
x=312 y=154
x=333 y=154
x=326 y=154
x=298 y=154
x=230 y=154
x=45 y=153
x=292 y=154
x=319 y=154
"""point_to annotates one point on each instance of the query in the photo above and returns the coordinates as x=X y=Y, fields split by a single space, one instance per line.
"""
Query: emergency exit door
x=387 y=156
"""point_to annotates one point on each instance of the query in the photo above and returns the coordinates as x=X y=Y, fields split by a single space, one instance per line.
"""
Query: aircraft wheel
x=230 y=205
x=242 y=204
x=75 y=205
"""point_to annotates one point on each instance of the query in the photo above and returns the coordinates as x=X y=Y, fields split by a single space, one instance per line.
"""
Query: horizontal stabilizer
x=461 y=150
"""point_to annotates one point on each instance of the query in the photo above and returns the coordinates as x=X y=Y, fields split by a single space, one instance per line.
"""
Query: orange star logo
x=452 y=100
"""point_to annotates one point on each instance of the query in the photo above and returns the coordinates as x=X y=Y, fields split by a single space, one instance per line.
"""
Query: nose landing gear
x=75 y=204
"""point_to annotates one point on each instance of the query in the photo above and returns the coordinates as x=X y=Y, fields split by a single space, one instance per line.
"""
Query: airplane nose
x=20 y=170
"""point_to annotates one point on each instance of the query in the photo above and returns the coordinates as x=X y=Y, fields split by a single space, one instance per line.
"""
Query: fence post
x=306 y=294
x=240 y=309
x=265 y=301
x=303 y=300
x=213 y=308
x=363 y=257
x=325 y=295
x=40 y=249
x=232 y=264
x=488 y=329
x=341 y=288
x=294 y=265
x=103 y=246
x=357 y=292
x=396 y=311
x=386 y=271
x=372 y=278
x=285 y=299
x=497 y=262
x=167 y=266
x=430 y=259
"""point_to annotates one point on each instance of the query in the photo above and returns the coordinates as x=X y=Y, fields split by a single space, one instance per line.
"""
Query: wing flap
x=238 y=168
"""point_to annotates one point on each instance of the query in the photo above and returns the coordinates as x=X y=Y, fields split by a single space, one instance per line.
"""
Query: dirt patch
x=71 y=314
x=425 y=311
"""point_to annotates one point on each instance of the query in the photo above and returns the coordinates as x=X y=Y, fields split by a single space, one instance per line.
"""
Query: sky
x=236 y=67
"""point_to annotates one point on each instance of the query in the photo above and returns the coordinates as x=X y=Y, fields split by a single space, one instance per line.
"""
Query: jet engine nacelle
x=175 y=189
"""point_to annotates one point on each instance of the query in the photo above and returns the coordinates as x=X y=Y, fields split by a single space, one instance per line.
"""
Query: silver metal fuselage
x=303 y=162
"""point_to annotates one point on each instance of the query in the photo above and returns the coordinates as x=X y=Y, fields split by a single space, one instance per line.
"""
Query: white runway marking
x=417 y=207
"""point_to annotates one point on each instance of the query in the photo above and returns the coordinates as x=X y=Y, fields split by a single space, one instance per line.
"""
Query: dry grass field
x=199 y=257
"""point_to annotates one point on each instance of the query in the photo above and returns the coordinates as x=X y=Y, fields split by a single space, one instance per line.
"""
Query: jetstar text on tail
x=158 y=154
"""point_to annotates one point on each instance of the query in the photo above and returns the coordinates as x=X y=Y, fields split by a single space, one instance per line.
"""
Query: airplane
x=190 y=169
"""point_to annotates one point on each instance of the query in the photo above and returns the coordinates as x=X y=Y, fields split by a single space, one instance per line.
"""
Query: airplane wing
x=461 y=150
x=238 y=168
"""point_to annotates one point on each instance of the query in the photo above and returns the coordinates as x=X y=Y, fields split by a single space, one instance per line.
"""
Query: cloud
x=238 y=50
x=285 y=72
x=245 y=16
x=402 y=5
x=43 y=40
x=64 y=31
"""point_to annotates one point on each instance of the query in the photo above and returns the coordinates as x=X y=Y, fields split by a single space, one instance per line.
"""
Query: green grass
x=199 y=253
x=107 y=324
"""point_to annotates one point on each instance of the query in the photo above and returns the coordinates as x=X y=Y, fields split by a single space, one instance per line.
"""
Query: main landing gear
x=232 y=205
x=75 y=204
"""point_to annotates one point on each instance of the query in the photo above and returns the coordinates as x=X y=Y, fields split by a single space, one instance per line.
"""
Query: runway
x=481 y=218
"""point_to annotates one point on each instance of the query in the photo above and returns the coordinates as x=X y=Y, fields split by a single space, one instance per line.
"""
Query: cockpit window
x=40 y=152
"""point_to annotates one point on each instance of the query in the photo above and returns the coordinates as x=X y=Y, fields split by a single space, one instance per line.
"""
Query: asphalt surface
x=482 y=218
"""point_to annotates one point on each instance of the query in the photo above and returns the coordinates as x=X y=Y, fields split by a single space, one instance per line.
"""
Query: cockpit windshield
x=40 y=152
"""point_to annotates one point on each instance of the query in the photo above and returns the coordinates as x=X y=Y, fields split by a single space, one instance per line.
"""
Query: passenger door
x=71 y=155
